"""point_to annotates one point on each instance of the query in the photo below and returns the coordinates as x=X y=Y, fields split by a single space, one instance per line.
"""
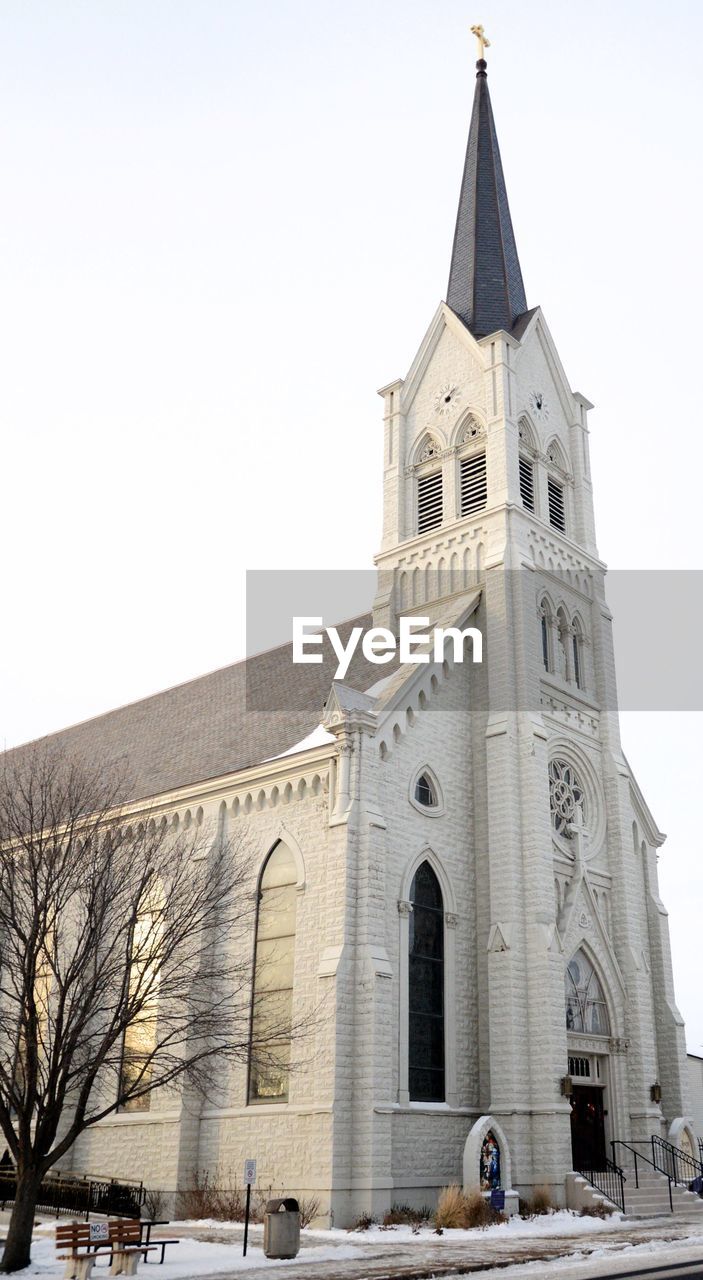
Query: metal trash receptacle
x=282 y=1228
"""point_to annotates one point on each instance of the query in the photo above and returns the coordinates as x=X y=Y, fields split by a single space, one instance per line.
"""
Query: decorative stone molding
x=451 y=920
x=404 y=907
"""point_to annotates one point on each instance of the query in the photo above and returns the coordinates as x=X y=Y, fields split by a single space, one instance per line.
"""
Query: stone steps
x=651 y=1198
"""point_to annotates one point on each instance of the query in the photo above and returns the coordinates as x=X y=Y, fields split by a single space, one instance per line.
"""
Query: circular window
x=566 y=795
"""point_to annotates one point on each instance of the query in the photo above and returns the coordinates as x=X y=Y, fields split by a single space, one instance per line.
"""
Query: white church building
x=468 y=864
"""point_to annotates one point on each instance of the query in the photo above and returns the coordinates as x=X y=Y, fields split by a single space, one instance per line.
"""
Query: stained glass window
x=586 y=1009
x=426 y=988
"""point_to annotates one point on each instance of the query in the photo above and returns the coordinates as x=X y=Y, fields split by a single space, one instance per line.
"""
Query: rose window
x=566 y=795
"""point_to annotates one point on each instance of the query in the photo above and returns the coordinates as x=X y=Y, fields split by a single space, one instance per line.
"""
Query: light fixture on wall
x=655 y=1092
x=567 y=1086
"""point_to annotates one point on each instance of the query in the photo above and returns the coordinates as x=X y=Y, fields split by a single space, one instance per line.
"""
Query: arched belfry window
x=586 y=1008
x=272 y=1001
x=426 y=988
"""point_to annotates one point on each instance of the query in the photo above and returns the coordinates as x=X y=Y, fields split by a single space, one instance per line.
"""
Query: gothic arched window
x=425 y=793
x=272 y=1001
x=544 y=634
x=586 y=1008
x=577 y=654
x=426 y=988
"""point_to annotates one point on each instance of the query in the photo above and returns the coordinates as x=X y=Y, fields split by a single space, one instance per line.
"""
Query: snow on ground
x=563 y=1223
x=193 y=1257
x=190 y=1258
x=606 y=1261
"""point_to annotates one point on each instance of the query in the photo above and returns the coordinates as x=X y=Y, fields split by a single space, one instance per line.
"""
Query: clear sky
x=224 y=225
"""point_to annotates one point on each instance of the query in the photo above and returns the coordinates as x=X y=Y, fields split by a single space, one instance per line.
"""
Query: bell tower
x=487 y=483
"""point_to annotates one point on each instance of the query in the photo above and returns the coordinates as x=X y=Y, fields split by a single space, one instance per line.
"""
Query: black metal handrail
x=685 y=1167
x=618 y=1142
x=610 y=1181
x=84 y=1194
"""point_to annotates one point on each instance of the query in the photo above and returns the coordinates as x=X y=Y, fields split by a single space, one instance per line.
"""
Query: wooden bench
x=84 y=1242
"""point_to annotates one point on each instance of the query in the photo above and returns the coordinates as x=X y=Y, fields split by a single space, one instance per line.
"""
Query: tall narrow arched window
x=586 y=1008
x=272 y=1000
x=577 y=655
x=426 y=988
x=563 y=633
x=544 y=635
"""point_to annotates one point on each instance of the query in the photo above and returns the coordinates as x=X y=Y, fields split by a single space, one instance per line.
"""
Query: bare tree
x=120 y=969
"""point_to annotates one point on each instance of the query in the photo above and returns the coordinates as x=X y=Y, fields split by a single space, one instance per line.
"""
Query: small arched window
x=586 y=1008
x=577 y=655
x=426 y=988
x=272 y=1001
x=425 y=792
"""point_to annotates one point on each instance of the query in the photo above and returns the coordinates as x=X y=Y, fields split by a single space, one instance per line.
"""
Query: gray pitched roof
x=215 y=725
x=485 y=282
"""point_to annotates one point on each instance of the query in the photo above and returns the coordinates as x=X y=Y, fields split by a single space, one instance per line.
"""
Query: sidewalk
x=645 y=1243
x=553 y=1245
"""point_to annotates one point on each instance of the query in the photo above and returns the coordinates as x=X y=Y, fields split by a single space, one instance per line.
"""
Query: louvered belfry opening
x=474 y=487
x=429 y=501
x=527 y=483
x=557 y=509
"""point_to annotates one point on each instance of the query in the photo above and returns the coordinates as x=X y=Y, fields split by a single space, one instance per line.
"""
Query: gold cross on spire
x=483 y=43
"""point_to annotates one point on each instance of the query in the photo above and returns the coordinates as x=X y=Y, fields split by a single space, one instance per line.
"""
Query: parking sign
x=249 y=1172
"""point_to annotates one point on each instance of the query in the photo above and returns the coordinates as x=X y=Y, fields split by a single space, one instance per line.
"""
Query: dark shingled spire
x=485 y=281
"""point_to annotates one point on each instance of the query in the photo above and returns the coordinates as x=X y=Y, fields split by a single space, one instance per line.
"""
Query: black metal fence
x=65 y=1193
x=610 y=1181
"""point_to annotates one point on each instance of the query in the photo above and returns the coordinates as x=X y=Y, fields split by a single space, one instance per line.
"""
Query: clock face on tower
x=447 y=399
x=539 y=406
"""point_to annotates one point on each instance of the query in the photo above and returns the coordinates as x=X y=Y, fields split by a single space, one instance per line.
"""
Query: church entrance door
x=587 y=1128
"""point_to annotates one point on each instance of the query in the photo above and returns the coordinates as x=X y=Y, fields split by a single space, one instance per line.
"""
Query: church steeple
x=485 y=282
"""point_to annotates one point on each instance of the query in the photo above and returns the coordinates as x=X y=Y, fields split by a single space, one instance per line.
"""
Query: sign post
x=249 y=1178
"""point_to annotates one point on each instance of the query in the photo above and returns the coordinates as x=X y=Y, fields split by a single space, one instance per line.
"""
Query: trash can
x=282 y=1228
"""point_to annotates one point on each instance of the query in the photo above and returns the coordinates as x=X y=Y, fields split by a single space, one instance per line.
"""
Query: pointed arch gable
x=556 y=455
x=434 y=438
x=427 y=854
x=467 y=421
x=545 y=599
x=528 y=434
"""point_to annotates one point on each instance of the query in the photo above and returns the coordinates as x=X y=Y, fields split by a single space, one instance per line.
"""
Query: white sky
x=224 y=225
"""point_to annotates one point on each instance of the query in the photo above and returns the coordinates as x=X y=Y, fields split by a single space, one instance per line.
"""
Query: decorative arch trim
x=679 y=1126
x=284 y=836
x=464 y=420
x=555 y=455
x=427 y=854
x=433 y=437
x=429 y=811
x=472 y=1154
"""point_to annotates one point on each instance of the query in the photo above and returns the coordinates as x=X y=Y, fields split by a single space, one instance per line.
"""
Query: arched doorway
x=588 y=1027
